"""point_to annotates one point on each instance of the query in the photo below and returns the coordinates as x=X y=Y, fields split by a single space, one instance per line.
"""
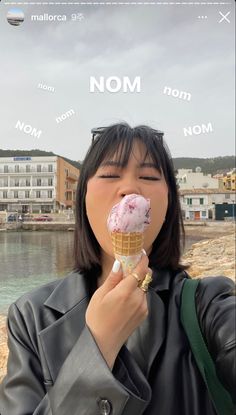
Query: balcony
x=27 y=187
x=24 y=200
x=69 y=203
x=12 y=172
x=72 y=177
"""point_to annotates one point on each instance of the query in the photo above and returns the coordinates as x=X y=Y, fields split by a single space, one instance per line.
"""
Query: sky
x=171 y=50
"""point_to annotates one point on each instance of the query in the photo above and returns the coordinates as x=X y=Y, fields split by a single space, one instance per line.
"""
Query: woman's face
x=112 y=182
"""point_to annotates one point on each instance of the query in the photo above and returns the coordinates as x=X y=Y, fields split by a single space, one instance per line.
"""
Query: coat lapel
x=146 y=341
x=70 y=299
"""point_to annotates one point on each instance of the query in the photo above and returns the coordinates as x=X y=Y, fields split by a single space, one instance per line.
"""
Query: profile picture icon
x=15 y=16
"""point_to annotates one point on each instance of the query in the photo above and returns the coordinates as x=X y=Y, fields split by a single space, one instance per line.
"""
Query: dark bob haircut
x=119 y=139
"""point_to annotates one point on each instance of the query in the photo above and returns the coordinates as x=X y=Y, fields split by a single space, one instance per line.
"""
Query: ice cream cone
x=127 y=247
x=127 y=243
x=126 y=223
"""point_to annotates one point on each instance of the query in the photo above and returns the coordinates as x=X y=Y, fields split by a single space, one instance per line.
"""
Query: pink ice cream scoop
x=131 y=214
x=126 y=223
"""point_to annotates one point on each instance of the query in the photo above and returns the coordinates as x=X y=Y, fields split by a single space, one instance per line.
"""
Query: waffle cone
x=127 y=244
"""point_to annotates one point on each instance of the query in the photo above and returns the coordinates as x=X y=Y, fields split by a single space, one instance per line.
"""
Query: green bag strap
x=219 y=395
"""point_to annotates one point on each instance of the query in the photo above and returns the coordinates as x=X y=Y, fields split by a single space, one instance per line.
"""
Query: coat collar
x=68 y=293
x=162 y=280
x=74 y=288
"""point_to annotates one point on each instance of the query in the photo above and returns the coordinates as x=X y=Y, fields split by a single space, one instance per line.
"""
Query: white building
x=198 y=204
x=187 y=179
x=28 y=184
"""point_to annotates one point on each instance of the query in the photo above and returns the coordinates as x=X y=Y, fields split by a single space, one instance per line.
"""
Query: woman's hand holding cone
x=116 y=309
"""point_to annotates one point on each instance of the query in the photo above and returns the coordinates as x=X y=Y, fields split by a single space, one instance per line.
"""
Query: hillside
x=208 y=165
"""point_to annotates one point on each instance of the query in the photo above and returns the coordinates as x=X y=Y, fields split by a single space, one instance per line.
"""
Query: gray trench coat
x=55 y=366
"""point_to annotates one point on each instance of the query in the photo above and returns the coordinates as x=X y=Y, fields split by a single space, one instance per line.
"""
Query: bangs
x=117 y=144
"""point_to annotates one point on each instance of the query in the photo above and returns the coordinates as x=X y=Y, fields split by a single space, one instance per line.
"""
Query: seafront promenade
x=213 y=256
x=208 y=228
x=53 y=222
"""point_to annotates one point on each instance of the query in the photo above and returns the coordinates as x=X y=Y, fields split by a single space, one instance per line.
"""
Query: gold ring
x=136 y=277
x=145 y=290
x=147 y=280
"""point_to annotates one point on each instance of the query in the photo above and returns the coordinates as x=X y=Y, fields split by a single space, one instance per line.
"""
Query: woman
x=95 y=342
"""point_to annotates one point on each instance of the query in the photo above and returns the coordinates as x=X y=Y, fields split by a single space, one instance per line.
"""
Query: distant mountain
x=36 y=153
x=208 y=165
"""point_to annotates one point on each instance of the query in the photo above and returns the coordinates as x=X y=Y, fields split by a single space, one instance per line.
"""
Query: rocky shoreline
x=213 y=257
x=3 y=346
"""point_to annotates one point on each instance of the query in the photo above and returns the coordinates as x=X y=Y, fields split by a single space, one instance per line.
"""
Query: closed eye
x=112 y=176
x=150 y=178
x=109 y=176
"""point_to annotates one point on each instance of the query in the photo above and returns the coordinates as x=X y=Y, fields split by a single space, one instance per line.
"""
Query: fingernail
x=144 y=252
x=116 y=266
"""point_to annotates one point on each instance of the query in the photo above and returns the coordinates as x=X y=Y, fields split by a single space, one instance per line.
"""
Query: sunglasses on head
x=98 y=131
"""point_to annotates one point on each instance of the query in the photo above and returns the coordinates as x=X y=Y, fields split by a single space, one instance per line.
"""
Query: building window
x=49 y=194
x=38 y=194
x=50 y=168
x=5 y=182
x=39 y=168
x=227 y=195
x=189 y=201
x=27 y=182
x=201 y=200
x=68 y=196
x=17 y=182
x=38 y=182
x=27 y=194
x=67 y=172
x=203 y=214
x=5 y=169
x=50 y=182
x=4 y=194
x=17 y=169
x=27 y=168
x=15 y=194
